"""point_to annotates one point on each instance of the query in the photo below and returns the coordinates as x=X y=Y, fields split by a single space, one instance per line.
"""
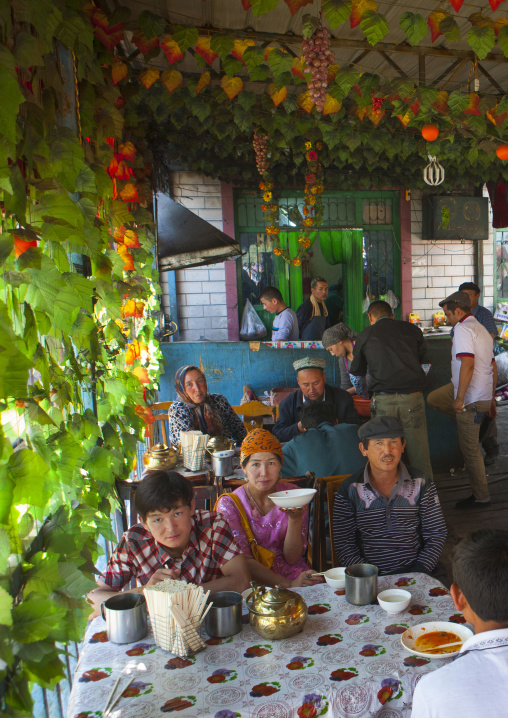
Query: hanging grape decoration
x=318 y=57
x=260 y=144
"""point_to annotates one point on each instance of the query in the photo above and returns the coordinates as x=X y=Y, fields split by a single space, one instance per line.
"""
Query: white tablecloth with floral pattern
x=348 y=661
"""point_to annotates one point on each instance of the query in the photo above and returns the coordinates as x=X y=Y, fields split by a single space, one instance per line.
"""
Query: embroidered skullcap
x=309 y=363
x=260 y=440
x=338 y=333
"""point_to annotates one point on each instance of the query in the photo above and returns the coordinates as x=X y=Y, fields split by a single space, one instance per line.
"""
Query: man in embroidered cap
x=311 y=379
x=388 y=514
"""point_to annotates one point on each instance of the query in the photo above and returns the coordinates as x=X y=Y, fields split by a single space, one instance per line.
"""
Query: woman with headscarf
x=195 y=408
x=340 y=342
x=274 y=540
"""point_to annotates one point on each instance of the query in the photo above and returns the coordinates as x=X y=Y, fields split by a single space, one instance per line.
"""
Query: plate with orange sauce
x=425 y=639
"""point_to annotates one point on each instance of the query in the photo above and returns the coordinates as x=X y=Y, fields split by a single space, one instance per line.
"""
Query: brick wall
x=201 y=292
x=438 y=268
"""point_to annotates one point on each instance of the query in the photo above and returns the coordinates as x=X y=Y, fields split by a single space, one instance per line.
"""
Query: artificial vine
x=78 y=362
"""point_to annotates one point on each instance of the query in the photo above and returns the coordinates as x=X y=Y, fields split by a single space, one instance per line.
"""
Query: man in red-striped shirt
x=173 y=540
x=470 y=395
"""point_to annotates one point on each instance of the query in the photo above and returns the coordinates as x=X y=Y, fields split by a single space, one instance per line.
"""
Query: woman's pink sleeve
x=228 y=510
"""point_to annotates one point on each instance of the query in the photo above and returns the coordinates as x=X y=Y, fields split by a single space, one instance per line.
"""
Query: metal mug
x=126 y=621
x=224 y=619
x=223 y=462
x=361 y=584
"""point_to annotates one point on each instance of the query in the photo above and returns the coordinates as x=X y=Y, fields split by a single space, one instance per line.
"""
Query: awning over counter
x=186 y=240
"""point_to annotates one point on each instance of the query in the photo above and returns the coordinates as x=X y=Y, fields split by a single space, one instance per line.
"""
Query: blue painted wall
x=228 y=366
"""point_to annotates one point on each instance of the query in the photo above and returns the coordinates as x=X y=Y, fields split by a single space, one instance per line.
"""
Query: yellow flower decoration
x=311 y=200
x=277 y=251
x=308 y=222
x=297 y=261
x=267 y=196
x=308 y=145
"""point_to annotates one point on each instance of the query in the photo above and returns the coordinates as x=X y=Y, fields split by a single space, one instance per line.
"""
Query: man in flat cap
x=311 y=378
x=470 y=394
x=388 y=514
x=392 y=352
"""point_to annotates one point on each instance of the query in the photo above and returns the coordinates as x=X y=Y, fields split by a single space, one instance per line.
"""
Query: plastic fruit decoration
x=318 y=56
x=502 y=152
x=430 y=133
x=260 y=144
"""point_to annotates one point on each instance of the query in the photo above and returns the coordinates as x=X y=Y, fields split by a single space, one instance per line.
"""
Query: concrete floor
x=453 y=487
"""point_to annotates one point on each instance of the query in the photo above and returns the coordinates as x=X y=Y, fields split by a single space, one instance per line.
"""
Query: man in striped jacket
x=388 y=514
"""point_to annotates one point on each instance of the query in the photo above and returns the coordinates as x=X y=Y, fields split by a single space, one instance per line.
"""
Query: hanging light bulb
x=434 y=173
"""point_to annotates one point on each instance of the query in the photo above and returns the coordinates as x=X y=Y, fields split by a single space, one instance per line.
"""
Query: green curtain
x=331 y=243
x=352 y=276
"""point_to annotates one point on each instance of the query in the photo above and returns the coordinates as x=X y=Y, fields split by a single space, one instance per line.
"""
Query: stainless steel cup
x=125 y=621
x=361 y=584
x=225 y=617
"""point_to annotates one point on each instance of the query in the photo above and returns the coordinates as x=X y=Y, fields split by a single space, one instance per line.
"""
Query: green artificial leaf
x=336 y=11
x=261 y=7
x=232 y=66
x=35 y=618
x=119 y=213
x=14 y=364
x=11 y=95
x=151 y=24
x=25 y=525
x=85 y=181
x=502 y=39
x=458 y=102
x=36 y=651
x=46 y=674
x=482 y=40
x=414 y=26
x=44 y=576
x=199 y=108
x=6 y=246
x=450 y=29
x=28 y=50
x=309 y=25
x=53 y=207
x=222 y=45
x=5 y=550
x=280 y=62
x=374 y=26
x=258 y=74
x=5 y=607
x=185 y=36
x=16 y=203
x=253 y=57
x=76 y=583
x=27 y=469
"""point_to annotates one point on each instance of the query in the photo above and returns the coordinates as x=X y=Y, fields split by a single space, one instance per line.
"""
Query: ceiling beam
x=457 y=64
x=392 y=63
x=348 y=44
x=491 y=79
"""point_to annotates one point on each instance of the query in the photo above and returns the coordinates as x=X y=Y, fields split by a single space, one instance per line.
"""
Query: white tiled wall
x=439 y=267
x=201 y=292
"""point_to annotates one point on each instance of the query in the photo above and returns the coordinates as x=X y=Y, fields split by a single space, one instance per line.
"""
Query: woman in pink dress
x=283 y=531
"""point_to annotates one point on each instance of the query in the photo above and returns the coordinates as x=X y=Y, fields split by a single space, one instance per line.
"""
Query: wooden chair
x=205 y=497
x=325 y=486
x=253 y=413
x=156 y=431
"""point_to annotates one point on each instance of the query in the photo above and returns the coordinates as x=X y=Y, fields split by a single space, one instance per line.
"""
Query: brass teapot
x=219 y=443
x=277 y=612
x=162 y=458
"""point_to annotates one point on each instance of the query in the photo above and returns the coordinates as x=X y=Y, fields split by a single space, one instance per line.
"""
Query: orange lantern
x=502 y=152
x=430 y=133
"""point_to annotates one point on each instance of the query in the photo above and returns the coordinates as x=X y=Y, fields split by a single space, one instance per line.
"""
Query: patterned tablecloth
x=348 y=661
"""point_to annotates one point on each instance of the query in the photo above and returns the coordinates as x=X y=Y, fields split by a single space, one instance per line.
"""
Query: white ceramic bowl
x=293 y=499
x=409 y=637
x=335 y=577
x=394 y=600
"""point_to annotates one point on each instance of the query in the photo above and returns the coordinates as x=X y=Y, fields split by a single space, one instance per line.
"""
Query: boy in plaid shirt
x=173 y=540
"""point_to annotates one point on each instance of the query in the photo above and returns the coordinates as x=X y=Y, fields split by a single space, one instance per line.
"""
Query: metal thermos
x=224 y=619
x=126 y=621
x=361 y=584
x=223 y=462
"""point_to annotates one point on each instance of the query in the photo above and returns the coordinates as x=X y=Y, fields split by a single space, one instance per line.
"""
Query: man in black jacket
x=311 y=379
x=393 y=351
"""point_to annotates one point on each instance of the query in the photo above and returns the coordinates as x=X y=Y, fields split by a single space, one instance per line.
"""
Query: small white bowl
x=335 y=577
x=409 y=637
x=394 y=600
x=293 y=499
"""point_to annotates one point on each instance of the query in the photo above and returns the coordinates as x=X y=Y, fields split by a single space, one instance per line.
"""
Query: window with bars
x=376 y=213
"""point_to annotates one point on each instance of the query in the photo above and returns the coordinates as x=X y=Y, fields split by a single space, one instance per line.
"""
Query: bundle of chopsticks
x=193 y=444
x=176 y=610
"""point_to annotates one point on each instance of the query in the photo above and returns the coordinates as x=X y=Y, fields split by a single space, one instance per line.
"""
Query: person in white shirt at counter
x=470 y=394
x=285 y=324
x=474 y=684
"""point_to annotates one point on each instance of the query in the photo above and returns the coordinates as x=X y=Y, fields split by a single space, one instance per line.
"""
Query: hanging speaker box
x=451 y=217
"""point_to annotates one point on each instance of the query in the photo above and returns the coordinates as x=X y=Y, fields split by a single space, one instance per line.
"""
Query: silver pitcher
x=223 y=462
x=126 y=620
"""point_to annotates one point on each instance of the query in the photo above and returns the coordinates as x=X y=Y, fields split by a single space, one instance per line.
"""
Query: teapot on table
x=276 y=612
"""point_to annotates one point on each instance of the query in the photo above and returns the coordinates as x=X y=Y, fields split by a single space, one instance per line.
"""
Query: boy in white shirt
x=285 y=324
x=474 y=684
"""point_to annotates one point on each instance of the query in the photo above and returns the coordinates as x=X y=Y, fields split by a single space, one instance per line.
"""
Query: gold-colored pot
x=276 y=613
x=162 y=458
x=219 y=443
